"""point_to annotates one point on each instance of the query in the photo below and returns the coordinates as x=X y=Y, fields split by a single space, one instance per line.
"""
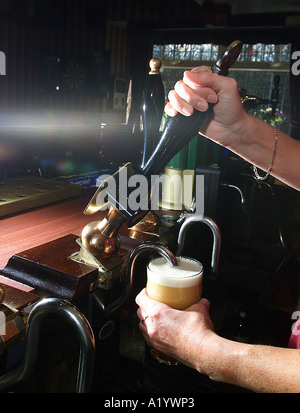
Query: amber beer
x=177 y=286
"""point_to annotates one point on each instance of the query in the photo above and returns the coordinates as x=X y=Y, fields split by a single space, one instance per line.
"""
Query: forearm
x=254 y=367
x=232 y=127
x=255 y=141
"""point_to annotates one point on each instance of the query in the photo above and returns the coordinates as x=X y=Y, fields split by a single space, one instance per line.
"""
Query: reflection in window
x=250 y=52
x=265 y=53
x=186 y=51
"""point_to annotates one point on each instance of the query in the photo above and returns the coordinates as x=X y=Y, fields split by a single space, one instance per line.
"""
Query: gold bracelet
x=262 y=178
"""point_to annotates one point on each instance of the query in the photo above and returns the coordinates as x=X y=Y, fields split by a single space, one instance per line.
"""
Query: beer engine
x=94 y=270
x=101 y=238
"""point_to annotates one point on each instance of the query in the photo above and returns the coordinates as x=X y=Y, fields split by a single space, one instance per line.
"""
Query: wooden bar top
x=30 y=229
x=22 y=231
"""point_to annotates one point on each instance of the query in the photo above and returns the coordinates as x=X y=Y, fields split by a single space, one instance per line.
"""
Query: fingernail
x=186 y=110
x=212 y=98
x=202 y=106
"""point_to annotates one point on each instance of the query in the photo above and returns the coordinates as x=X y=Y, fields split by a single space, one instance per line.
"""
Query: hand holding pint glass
x=177 y=286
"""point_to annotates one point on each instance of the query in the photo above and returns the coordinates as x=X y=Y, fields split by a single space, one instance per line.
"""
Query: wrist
x=220 y=358
x=242 y=135
x=253 y=140
x=207 y=353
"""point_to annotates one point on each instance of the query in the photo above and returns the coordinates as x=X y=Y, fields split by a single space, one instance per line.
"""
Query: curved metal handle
x=226 y=185
x=86 y=340
x=191 y=219
x=146 y=247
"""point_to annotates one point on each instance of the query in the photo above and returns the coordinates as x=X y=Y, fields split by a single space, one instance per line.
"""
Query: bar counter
x=32 y=228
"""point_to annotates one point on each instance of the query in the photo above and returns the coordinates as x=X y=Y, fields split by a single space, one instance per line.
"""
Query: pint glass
x=177 y=286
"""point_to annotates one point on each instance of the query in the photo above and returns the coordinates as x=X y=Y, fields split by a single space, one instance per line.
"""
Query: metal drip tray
x=21 y=194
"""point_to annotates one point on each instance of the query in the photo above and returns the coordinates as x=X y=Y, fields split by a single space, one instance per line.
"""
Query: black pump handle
x=180 y=129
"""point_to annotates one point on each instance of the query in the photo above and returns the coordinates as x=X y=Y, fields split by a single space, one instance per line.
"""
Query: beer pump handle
x=101 y=238
x=153 y=102
x=180 y=129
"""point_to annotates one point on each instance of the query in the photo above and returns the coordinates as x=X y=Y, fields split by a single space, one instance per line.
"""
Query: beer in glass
x=177 y=286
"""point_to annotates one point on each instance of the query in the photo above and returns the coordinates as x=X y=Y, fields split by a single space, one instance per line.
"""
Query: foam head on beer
x=177 y=286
